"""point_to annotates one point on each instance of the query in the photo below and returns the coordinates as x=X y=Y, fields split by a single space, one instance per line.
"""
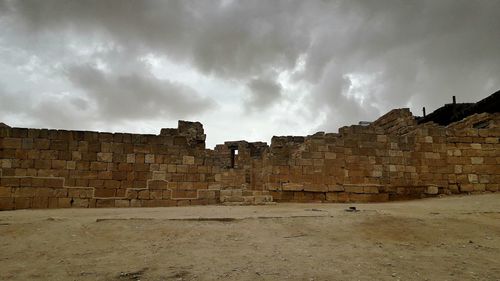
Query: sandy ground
x=452 y=238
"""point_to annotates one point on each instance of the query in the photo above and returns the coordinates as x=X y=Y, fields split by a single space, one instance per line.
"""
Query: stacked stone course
x=393 y=158
x=56 y=169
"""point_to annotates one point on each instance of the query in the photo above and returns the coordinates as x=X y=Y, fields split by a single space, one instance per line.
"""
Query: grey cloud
x=416 y=52
x=30 y=110
x=236 y=40
x=264 y=93
x=135 y=96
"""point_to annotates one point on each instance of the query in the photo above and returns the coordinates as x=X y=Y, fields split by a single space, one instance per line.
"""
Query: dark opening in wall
x=234 y=153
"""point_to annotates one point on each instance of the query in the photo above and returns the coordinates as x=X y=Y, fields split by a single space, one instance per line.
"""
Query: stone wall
x=43 y=168
x=392 y=158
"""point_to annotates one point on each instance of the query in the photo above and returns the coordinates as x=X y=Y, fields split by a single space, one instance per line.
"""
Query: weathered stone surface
x=432 y=189
x=188 y=160
x=292 y=187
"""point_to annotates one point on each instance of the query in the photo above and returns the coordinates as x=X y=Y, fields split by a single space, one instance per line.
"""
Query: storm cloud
x=272 y=67
x=263 y=93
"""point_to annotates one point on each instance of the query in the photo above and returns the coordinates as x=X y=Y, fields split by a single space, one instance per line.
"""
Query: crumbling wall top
x=192 y=131
x=397 y=121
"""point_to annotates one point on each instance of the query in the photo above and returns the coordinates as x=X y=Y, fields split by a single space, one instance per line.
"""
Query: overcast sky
x=245 y=69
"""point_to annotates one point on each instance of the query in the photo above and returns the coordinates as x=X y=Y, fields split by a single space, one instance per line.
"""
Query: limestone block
x=105 y=203
x=472 y=178
x=171 y=168
x=105 y=157
x=6 y=204
x=156 y=194
x=305 y=162
x=475 y=146
x=370 y=189
x=262 y=199
x=64 y=202
x=335 y=188
x=70 y=165
x=316 y=187
x=432 y=155
x=237 y=192
x=24 y=192
x=432 y=189
x=484 y=179
x=60 y=192
x=42 y=164
x=188 y=160
x=322 y=148
x=316 y=155
x=330 y=155
x=292 y=186
x=489 y=187
x=22 y=203
x=10 y=181
x=131 y=193
x=226 y=193
x=41 y=144
x=479 y=187
x=353 y=188
x=159 y=175
x=6 y=163
x=167 y=194
x=143 y=194
x=135 y=203
x=43 y=191
x=122 y=203
x=206 y=194
x=58 y=145
x=13 y=143
x=130 y=158
x=105 y=147
x=332 y=196
x=149 y=158
x=318 y=162
x=80 y=203
x=476 y=160
x=491 y=140
x=410 y=169
x=182 y=168
x=218 y=177
x=200 y=185
x=214 y=186
x=5 y=192
x=58 y=164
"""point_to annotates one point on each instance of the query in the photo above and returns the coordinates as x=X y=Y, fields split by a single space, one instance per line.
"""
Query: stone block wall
x=391 y=159
x=43 y=168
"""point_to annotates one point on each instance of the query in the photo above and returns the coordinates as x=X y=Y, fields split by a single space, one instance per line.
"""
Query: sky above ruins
x=245 y=69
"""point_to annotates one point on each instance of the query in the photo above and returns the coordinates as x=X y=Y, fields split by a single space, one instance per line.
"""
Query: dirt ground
x=451 y=238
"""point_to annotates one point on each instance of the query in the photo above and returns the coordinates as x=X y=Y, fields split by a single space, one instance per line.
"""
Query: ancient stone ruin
x=399 y=156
